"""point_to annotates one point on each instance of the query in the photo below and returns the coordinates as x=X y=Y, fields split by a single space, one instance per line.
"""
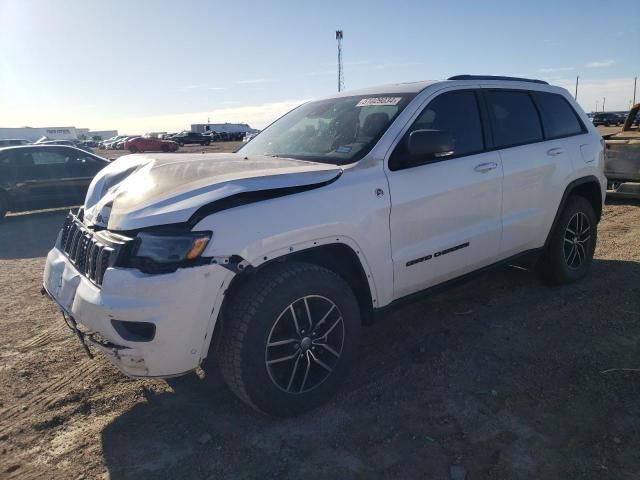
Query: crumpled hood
x=138 y=191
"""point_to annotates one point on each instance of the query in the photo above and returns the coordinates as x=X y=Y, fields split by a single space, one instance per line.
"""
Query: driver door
x=446 y=213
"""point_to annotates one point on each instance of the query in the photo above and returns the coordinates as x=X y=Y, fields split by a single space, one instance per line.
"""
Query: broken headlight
x=170 y=249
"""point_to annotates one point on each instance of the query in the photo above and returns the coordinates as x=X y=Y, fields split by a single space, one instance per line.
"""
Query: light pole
x=635 y=81
x=604 y=99
x=596 y=106
x=576 y=95
x=339 y=36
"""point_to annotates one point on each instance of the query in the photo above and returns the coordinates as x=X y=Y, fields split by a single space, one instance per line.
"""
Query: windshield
x=338 y=130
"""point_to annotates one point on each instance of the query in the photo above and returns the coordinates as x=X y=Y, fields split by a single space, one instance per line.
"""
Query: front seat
x=373 y=124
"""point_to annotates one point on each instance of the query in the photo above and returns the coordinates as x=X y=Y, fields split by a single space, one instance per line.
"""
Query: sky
x=141 y=66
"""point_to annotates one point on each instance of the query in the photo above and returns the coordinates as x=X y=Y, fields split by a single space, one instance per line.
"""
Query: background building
x=54 y=133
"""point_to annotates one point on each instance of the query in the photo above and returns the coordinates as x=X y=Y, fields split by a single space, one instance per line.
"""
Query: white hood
x=138 y=191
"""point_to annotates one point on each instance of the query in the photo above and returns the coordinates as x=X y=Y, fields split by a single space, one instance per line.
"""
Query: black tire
x=180 y=144
x=569 y=253
x=261 y=312
x=133 y=150
x=207 y=143
x=164 y=148
x=4 y=205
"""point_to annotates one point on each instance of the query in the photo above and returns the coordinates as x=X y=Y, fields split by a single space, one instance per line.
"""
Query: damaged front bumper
x=181 y=308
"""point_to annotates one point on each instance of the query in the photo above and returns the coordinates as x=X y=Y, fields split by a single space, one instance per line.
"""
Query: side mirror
x=427 y=145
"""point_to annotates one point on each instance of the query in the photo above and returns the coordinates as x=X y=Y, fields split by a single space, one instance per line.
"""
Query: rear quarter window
x=514 y=118
x=559 y=119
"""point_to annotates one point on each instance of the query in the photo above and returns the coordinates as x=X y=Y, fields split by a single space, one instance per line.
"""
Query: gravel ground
x=502 y=377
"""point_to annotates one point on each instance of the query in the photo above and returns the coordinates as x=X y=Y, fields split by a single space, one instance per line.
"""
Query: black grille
x=90 y=252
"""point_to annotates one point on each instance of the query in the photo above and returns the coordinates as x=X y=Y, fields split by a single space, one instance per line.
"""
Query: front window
x=338 y=130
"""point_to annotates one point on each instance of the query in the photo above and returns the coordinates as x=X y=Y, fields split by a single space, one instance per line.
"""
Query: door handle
x=555 y=152
x=485 y=167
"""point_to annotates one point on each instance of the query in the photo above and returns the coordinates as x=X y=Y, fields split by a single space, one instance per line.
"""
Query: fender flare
x=308 y=245
x=566 y=194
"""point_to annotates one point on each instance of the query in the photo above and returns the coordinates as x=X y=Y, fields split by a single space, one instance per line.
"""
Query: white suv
x=270 y=259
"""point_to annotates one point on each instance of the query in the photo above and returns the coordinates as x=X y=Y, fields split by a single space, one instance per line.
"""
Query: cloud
x=600 y=64
x=555 y=69
x=255 y=81
x=216 y=88
x=258 y=116
x=617 y=91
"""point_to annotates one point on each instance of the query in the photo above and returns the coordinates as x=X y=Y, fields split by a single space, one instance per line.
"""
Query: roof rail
x=496 y=77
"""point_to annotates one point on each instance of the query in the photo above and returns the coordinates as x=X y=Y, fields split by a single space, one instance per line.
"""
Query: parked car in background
x=272 y=258
x=213 y=136
x=187 y=138
x=41 y=176
x=248 y=136
x=150 y=144
x=13 y=142
x=109 y=143
x=236 y=136
x=607 y=119
x=120 y=144
x=69 y=143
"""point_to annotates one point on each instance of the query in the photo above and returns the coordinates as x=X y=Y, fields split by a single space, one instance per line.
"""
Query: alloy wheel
x=576 y=240
x=305 y=344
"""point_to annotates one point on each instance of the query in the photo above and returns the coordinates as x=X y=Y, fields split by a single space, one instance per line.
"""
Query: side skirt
x=528 y=258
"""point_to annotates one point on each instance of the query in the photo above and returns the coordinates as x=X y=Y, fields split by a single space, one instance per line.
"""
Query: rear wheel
x=289 y=337
x=569 y=253
x=133 y=149
x=164 y=148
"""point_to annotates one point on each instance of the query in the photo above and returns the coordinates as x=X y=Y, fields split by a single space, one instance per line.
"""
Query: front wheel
x=570 y=250
x=133 y=150
x=289 y=336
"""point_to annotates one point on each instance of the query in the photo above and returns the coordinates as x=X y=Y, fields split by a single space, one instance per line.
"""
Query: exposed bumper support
x=183 y=306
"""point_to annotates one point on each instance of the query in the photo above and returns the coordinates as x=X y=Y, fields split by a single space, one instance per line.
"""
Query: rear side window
x=458 y=114
x=48 y=157
x=559 y=119
x=514 y=116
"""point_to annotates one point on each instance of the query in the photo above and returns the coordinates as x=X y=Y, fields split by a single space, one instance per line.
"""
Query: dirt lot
x=503 y=375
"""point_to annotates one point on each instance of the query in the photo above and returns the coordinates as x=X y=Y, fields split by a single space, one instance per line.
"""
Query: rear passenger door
x=445 y=214
x=535 y=168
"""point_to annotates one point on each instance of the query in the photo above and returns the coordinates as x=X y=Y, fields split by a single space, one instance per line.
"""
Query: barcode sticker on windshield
x=378 y=101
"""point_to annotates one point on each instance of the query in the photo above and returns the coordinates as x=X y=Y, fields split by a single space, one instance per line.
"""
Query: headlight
x=171 y=248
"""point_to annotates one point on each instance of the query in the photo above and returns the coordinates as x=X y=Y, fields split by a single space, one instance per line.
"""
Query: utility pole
x=576 y=95
x=340 y=68
x=604 y=99
x=635 y=81
x=596 y=106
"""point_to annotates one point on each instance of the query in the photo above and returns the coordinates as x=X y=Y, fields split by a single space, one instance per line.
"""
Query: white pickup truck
x=270 y=259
